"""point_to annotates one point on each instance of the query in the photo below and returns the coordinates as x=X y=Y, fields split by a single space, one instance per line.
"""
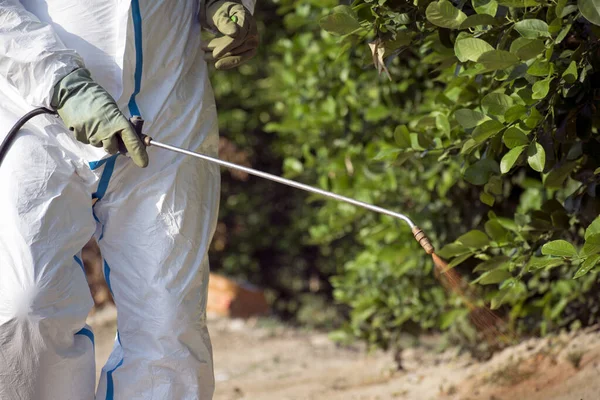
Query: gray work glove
x=93 y=116
x=239 y=42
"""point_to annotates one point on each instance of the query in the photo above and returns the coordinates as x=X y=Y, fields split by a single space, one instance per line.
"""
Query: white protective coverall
x=153 y=225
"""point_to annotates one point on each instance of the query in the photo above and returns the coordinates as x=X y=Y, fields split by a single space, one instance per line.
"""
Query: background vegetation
x=478 y=118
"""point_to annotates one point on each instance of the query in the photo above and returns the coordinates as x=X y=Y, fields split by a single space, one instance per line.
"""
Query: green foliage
x=487 y=135
x=516 y=84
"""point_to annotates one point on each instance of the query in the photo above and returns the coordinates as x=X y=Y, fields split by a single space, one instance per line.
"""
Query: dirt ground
x=267 y=361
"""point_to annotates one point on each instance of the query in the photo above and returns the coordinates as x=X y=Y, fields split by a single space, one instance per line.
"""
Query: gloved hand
x=92 y=114
x=239 y=42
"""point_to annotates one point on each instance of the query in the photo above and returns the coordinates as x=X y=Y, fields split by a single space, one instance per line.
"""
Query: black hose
x=12 y=134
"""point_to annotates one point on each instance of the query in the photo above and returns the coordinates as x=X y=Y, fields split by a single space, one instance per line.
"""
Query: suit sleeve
x=32 y=57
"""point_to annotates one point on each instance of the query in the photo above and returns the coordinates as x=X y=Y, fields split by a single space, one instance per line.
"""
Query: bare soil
x=267 y=361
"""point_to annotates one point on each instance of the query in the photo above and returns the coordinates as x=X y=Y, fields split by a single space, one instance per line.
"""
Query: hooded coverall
x=153 y=225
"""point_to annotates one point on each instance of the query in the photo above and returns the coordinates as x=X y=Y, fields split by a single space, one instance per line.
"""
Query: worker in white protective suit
x=97 y=63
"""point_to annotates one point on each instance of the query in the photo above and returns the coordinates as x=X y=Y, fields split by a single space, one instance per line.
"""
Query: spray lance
x=138 y=123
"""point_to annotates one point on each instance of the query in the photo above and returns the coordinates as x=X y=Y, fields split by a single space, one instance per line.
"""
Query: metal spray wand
x=417 y=232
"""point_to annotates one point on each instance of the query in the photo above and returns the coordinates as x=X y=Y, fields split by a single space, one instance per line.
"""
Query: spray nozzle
x=423 y=240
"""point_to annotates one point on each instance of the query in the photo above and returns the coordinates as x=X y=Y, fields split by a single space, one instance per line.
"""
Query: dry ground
x=257 y=361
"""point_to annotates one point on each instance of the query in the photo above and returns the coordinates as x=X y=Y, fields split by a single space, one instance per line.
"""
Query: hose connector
x=423 y=240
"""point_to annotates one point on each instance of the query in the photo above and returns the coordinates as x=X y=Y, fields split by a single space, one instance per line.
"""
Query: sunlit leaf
x=532 y=28
x=591 y=246
x=470 y=49
x=474 y=239
x=514 y=137
x=445 y=15
x=478 y=20
x=510 y=158
x=541 y=89
x=593 y=228
x=489 y=7
x=493 y=277
x=515 y=113
x=570 y=74
x=590 y=9
x=536 y=157
x=480 y=172
x=341 y=22
x=527 y=49
x=487 y=130
x=518 y=3
x=498 y=59
x=468 y=118
x=587 y=265
x=559 y=248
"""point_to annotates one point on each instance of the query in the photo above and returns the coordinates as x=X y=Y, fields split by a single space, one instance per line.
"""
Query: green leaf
x=558 y=308
x=514 y=137
x=470 y=49
x=562 y=34
x=534 y=118
x=560 y=5
x=527 y=49
x=403 y=38
x=487 y=130
x=559 y=248
x=478 y=20
x=489 y=7
x=474 y=239
x=445 y=15
x=480 y=172
x=493 y=277
x=402 y=137
x=515 y=113
x=556 y=177
x=487 y=199
x=591 y=246
x=459 y=260
x=510 y=158
x=547 y=262
x=442 y=123
x=541 y=89
x=340 y=22
x=496 y=103
x=496 y=262
x=495 y=185
x=504 y=294
x=468 y=118
x=496 y=231
x=389 y=154
x=536 y=157
x=497 y=59
x=292 y=167
x=377 y=113
x=508 y=224
x=590 y=9
x=593 y=229
x=540 y=68
x=518 y=3
x=570 y=75
x=532 y=28
x=587 y=265
x=453 y=250
x=570 y=9
x=449 y=318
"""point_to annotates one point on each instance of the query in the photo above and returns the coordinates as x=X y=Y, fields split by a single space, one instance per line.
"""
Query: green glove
x=93 y=116
x=239 y=42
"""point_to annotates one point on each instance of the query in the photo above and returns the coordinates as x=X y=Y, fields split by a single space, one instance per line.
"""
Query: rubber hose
x=12 y=134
